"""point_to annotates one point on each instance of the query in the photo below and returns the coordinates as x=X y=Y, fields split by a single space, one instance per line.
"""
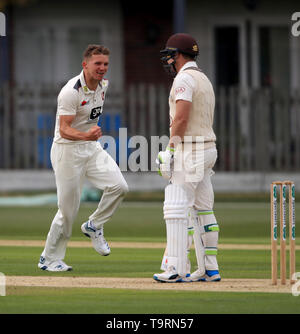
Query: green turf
x=121 y=262
x=129 y=262
x=131 y=222
x=118 y=301
x=240 y=222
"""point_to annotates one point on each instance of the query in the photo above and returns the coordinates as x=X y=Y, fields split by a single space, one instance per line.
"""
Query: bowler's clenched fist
x=94 y=133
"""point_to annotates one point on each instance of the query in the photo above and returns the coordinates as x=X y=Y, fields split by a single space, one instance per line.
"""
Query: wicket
x=274 y=229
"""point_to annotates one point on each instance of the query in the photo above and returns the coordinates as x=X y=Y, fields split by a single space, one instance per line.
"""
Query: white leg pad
x=192 y=215
x=164 y=262
x=199 y=248
x=176 y=217
x=190 y=238
x=210 y=239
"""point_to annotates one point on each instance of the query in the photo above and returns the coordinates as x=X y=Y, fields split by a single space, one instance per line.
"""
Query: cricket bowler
x=77 y=155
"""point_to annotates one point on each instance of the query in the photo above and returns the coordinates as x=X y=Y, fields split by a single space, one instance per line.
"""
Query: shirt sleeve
x=67 y=102
x=184 y=86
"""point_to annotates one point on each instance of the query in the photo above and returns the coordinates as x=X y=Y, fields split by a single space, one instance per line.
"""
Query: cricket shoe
x=197 y=276
x=54 y=265
x=171 y=276
x=97 y=237
x=209 y=276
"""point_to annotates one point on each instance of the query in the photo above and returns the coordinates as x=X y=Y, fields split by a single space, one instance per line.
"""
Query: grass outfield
x=240 y=223
x=129 y=262
x=118 y=301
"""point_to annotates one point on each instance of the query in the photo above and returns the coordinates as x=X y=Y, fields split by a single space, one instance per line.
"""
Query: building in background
x=246 y=49
x=247 y=42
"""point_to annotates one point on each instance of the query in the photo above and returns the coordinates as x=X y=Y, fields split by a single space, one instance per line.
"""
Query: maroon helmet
x=182 y=43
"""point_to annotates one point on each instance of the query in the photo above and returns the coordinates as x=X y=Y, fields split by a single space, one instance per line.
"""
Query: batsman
x=188 y=163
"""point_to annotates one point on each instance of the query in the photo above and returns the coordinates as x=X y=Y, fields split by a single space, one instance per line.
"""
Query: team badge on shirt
x=179 y=90
x=95 y=113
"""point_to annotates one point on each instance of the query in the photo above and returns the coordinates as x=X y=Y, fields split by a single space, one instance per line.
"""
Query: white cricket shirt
x=194 y=86
x=75 y=98
x=184 y=84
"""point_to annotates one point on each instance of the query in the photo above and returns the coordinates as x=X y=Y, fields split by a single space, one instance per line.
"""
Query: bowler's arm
x=67 y=132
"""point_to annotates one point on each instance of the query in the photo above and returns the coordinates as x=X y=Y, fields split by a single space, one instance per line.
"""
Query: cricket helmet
x=182 y=43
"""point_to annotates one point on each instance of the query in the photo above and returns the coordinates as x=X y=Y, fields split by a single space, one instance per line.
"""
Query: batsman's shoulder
x=184 y=77
x=184 y=81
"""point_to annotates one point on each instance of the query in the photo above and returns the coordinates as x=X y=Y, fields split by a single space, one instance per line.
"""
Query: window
x=78 y=40
x=227 y=55
x=274 y=57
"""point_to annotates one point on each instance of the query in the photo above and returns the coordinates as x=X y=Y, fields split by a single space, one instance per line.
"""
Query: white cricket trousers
x=196 y=182
x=195 y=178
x=72 y=163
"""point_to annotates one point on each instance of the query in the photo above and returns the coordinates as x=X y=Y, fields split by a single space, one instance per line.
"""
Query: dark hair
x=94 y=49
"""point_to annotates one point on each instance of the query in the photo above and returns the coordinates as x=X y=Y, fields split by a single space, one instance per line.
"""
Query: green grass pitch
x=240 y=223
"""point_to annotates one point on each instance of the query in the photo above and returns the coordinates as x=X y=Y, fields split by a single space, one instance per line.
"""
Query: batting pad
x=209 y=238
x=164 y=263
x=176 y=217
x=199 y=248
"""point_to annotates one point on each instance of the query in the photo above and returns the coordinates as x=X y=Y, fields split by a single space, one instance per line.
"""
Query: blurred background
x=247 y=49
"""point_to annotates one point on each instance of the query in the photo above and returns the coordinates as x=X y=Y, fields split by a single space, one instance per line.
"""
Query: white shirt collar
x=188 y=64
x=84 y=86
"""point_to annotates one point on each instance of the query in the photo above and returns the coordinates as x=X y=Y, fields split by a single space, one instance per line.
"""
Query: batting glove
x=165 y=160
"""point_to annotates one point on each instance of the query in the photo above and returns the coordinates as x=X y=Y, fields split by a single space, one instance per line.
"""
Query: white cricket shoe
x=208 y=276
x=197 y=276
x=98 y=241
x=171 y=276
x=54 y=265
